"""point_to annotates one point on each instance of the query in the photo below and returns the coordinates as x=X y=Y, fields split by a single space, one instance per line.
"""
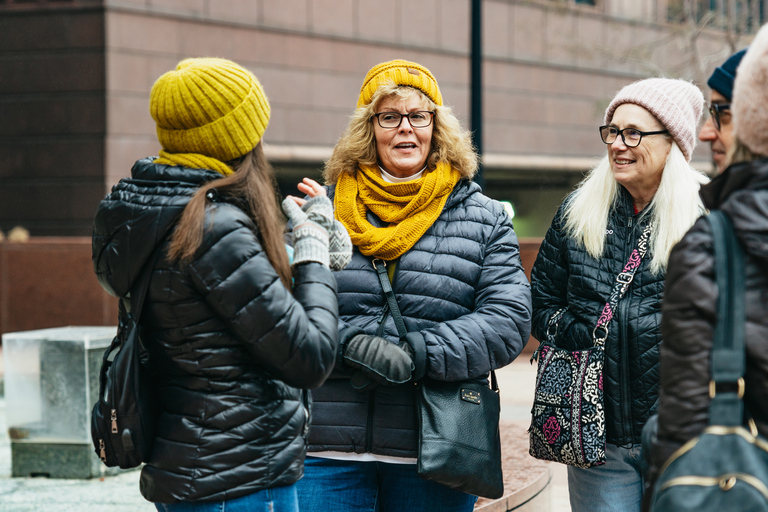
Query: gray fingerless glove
x=377 y=359
x=320 y=209
x=310 y=239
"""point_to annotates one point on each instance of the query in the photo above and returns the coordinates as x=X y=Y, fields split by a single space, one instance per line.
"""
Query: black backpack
x=124 y=418
x=726 y=467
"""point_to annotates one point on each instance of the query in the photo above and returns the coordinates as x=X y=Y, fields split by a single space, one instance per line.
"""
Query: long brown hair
x=254 y=183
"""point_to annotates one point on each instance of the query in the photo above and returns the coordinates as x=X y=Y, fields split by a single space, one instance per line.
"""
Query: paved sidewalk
x=121 y=493
x=516 y=385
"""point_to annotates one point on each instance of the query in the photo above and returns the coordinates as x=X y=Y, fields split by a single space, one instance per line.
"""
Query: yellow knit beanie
x=401 y=72
x=209 y=106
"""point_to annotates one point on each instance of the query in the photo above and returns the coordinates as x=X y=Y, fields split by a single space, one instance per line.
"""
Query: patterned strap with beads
x=623 y=280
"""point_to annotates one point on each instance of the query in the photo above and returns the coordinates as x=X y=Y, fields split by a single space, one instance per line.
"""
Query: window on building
x=743 y=16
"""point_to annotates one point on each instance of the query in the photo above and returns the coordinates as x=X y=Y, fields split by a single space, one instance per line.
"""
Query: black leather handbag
x=726 y=467
x=459 y=438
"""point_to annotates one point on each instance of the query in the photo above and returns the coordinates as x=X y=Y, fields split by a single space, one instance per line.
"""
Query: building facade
x=75 y=77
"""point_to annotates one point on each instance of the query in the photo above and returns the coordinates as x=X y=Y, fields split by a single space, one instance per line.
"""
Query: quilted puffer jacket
x=231 y=346
x=564 y=275
x=462 y=286
x=690 y=312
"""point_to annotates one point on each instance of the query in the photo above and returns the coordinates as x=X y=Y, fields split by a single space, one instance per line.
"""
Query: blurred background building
x=75 y=77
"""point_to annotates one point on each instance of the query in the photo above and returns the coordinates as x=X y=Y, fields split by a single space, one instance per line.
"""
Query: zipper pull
x=102 y=451
x=114 y=421
x=535 y=355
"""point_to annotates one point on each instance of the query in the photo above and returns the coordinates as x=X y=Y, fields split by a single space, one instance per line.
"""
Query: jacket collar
x=742 y=175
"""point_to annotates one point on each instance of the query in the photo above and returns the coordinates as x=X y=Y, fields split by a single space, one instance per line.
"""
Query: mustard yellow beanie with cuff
x=208 y=111
x=401 y=72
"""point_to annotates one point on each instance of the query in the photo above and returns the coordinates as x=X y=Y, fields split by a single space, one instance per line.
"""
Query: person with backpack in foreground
x=689 y=313
x=234 y=333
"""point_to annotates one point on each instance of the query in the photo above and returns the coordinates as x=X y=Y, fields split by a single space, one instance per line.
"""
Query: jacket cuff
x=345 y=335
x=419 y=346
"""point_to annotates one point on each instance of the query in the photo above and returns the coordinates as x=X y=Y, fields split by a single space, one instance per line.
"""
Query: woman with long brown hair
x=235 y=334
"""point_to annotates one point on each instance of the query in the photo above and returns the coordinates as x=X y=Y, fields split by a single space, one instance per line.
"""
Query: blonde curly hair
x=357 y=145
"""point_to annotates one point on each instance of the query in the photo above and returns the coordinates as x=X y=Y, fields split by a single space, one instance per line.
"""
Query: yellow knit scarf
x=409 y=208
x=194 y=161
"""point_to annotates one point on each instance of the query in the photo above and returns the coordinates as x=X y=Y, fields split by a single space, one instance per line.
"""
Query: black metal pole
x=476 y=88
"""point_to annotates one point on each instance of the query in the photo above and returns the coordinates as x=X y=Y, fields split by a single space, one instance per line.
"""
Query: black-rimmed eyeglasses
x=419 y=119
x=716 y=110
x=630 y=136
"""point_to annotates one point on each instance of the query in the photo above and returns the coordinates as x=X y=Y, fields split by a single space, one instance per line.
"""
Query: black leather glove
x=375 y=360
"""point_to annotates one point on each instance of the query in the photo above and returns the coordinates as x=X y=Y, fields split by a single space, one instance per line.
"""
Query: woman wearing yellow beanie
x=400 y=177
x=234 y=333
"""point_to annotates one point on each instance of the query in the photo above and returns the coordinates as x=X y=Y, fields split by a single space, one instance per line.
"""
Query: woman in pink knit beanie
x=598 y=281
x=690 y=299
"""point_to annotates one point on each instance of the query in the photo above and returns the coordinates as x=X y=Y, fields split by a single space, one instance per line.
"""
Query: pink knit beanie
x=749 y=105
x=677 y=104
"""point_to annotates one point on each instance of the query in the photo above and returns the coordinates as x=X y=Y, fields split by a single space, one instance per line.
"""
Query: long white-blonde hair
x=673 y=209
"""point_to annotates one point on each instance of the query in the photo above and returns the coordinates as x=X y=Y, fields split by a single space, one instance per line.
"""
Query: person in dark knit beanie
x=718 y=130
x=689 y=311
x=235 y=334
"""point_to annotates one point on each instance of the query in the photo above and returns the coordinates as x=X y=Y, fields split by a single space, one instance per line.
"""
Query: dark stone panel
x=52 y=115
x=52 y=158
x=50 y=207
x=44 y=29
x=81 y=70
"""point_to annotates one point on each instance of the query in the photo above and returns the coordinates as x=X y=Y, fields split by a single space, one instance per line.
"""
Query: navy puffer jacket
x=564 y=275
x=462 y=286
x=230 y=344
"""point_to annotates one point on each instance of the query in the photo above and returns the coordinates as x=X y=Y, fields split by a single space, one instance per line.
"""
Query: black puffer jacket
x=230 y=344
x=565 y=275
x=463 y=287
x=690 y=312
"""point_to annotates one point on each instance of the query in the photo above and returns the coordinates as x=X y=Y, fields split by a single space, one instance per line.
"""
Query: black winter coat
x=462 y=286
x=230 y=345
x=564 y=275
x=690 y=312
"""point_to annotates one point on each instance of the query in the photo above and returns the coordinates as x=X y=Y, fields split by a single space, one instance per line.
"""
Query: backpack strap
x=728 y=357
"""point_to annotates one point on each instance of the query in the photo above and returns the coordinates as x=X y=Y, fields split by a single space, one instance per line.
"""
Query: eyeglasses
x=630 y=136
x=716 y=110
x=419 y=119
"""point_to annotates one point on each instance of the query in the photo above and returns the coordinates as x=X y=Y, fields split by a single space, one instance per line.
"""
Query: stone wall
x=49 y=282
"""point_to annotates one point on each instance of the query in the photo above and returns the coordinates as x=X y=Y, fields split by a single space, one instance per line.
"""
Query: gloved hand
x=310 y=239
x=377 y=361
x=360 y=381
x=319 y=209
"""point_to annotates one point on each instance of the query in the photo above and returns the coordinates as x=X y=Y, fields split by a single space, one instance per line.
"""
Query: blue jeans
x=350 y=486
x=277 y=499
x=615 y=486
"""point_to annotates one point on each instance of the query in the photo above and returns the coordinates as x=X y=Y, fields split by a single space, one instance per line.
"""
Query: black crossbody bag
x=459 y=438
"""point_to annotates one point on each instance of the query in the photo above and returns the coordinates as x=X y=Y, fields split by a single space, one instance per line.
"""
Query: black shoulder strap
x=728 y=357
x=381 y=269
